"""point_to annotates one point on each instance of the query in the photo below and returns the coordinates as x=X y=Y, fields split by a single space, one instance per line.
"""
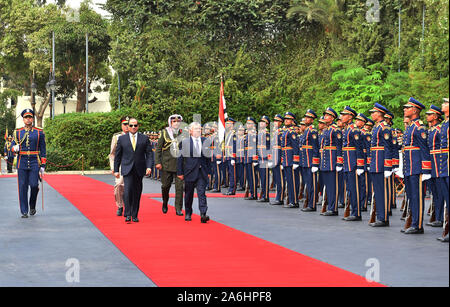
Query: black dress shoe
x=364 y=210
x=379 y=224
x=119 y=211
x=204 y=218
x=263 y=200
x=413 y=230
x=229 y=193
x=352 y=218
x=330 y=213
x=164 y=208
x=128 y=219
x=135 y=219
x=32 y=211
x=250 y=198
x=435 y=224
x=188 y=218
x=341 y=206
x=25 y=216
x=277 y=203
x=290 y=206
x=179 y=213
x=309 y=209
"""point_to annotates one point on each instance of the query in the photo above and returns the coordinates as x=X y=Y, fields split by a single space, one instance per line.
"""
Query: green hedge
x=69 y=136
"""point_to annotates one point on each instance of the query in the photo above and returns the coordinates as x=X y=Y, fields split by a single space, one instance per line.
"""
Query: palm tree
x=328 y=13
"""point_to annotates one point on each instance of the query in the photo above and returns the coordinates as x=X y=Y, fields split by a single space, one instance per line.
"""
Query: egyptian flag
x=222 y=113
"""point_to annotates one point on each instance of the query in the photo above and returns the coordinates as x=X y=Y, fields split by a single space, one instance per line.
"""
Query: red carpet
x=209 y=195
x=172 y=252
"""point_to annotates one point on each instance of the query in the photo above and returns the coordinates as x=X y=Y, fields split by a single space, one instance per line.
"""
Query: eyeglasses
x=132 y=126
x=125 y=124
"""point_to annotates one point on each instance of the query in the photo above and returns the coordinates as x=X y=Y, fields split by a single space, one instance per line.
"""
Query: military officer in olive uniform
x=166 y=162
x=29 y=145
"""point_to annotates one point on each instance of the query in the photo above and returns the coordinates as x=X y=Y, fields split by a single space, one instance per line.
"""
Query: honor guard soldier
x=444 y=166
x=389 y=117
x=331 y=160
x=29 y=145
x=434 y=117
x=380 y=164
x=310 y=160
x=166 y=162
x=216 y=160
x=290 y=158
x=360 y=121
x=263 y=157
x=275 y=160
x=240 y=158
x=119 y=184
x=367 y=143
x=417 y=163
x=251 y=158
x=229 y=158
x=353 y=154
x=8 y=154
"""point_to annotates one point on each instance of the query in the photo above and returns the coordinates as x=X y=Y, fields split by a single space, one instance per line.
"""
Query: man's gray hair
x=193 y=125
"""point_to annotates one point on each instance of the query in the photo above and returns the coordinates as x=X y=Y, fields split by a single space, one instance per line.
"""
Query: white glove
x=295 y=166
x=255 y=163
x=426 y=177
x=314 y=169
x=233 y=162
x=338 y=168
x=41 y=171
x=395 y=170
x=368 y=168
x=359 y=172
x=270 y=164
x=281 y=167
x=218 y=162
x=16 y=148
x=387 y=174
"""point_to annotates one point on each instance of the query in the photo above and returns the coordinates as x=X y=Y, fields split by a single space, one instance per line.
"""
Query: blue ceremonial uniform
x=275 y=158
x=289 y=158
x=230 y=160
x=310 y=158
x=263 y=159
x=434 y=144
x=353 y=154
x=250 y=158
x=416 y=162
x=444 y=161
x=331 y=157
x=31 y=157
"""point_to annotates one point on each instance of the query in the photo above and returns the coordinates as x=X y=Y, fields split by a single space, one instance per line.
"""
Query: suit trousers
x=189 y=187
x=132 y=193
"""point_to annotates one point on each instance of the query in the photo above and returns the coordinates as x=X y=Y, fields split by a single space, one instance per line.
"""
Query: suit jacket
x=192 y=167
x=141 y=158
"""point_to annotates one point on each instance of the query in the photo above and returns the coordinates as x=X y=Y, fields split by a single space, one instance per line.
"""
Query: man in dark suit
x=134 y=154
x=193 y=167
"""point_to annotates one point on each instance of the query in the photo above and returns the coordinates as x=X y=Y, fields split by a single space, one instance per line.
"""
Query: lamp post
x=51 y=87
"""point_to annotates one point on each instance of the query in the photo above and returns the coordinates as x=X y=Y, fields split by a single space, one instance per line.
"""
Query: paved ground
x=36 y=249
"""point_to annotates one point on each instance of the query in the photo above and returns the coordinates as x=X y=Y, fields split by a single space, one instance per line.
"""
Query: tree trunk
x=81 y=98
x=40 y=114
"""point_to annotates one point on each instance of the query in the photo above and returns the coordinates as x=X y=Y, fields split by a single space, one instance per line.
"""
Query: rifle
x=403 y=203
x=408 y=220
x=305 y=204
x=347 y=205
x=432 y=213
x=324 y=200
x=445 y=227
x=373 y=211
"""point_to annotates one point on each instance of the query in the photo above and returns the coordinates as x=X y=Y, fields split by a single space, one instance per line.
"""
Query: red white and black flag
x=222 y=112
